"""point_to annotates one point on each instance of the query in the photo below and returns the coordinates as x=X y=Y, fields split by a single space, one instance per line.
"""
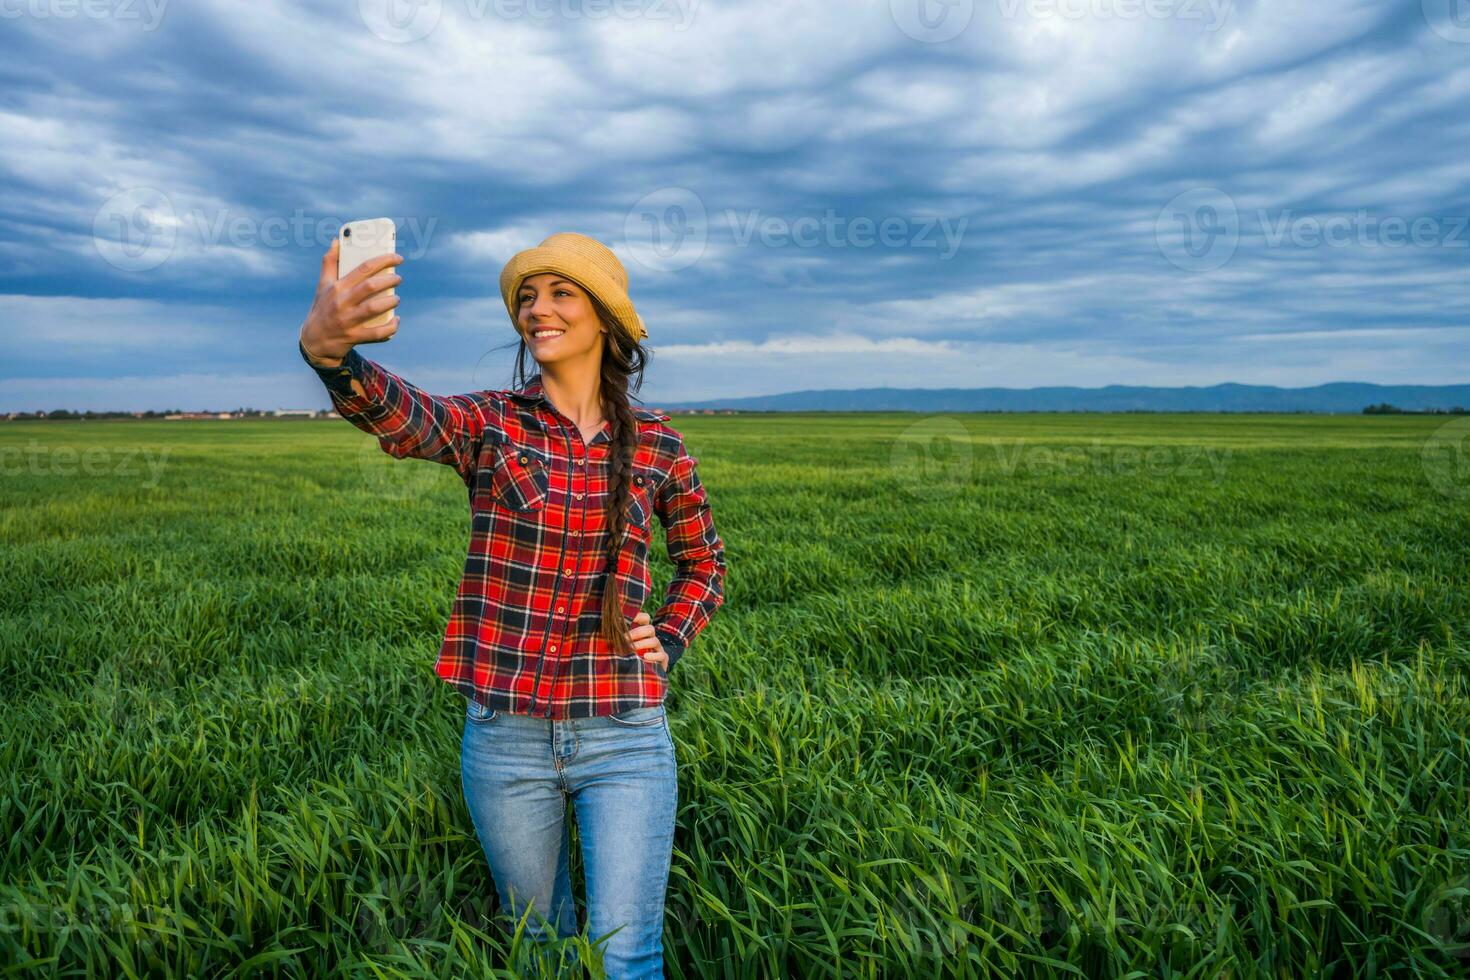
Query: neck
x=575 y=389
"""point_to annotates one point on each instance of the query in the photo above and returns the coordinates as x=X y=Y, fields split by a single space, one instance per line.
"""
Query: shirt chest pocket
x=640 y=506
x=513 y=476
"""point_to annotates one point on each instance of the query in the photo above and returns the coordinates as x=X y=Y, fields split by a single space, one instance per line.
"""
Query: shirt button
x=561 y=609
x=553 y=648
x=579 y=460
x=577 y=495
x=569 y=571
x=524 y=459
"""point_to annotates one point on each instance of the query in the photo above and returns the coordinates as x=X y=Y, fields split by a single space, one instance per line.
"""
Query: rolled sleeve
x=407 y=420
x=698 y=553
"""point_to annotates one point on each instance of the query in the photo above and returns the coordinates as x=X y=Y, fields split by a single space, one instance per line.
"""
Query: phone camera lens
x=346 y=232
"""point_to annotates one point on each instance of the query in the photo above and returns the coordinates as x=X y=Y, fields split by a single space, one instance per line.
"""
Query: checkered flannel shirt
x=523 y=635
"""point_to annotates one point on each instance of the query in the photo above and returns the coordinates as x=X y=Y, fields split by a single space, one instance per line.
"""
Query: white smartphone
x=363 y=240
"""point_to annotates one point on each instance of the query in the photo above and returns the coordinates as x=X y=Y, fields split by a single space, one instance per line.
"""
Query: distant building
x=303 y=412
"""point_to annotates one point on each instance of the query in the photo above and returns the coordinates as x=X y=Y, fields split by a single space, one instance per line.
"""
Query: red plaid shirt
x=523 y=635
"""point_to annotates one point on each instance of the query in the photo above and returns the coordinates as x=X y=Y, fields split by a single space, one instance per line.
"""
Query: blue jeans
x=619 y=773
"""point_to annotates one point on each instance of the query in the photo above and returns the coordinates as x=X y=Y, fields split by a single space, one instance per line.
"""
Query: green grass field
x=990 y=695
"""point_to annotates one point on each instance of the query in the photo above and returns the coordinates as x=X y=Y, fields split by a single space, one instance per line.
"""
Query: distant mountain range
x=1339 y=397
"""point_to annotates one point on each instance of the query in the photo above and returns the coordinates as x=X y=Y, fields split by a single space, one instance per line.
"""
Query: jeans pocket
x=480 y=714
x=639 y=717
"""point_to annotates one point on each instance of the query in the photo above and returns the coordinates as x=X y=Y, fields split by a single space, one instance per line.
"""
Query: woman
x=564 y=674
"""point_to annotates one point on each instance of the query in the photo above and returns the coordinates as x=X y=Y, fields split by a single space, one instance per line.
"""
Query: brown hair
x=623 y=361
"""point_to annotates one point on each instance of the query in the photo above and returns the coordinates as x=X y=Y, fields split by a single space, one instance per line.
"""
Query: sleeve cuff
x=337 y=379
x=672 y=645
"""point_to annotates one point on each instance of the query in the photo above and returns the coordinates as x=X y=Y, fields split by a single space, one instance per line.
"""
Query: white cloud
x=68 y=326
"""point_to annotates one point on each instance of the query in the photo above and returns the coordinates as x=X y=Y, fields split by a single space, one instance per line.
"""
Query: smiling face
x=557 y=319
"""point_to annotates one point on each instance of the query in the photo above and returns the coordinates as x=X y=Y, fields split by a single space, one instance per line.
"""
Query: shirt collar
x=533 y=393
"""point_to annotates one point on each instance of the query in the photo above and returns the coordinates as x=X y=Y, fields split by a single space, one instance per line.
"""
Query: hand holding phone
x=355 y=295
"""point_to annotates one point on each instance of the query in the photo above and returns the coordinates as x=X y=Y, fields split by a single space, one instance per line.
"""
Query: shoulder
x=654 y=425
x=663 y=444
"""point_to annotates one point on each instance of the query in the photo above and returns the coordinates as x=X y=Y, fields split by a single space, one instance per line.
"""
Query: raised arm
x=406 y=420
x=698 y=586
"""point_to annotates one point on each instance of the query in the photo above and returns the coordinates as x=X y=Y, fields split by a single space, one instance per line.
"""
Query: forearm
x=697 y=590
x=698 y=554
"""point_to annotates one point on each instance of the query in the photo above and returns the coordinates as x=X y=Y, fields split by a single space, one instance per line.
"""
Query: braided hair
x=622 y=359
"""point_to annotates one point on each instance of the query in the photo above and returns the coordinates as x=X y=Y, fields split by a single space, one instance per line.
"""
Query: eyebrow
x=554 y=282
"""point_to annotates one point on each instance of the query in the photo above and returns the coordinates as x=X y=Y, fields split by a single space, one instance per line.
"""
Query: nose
x=538 y=307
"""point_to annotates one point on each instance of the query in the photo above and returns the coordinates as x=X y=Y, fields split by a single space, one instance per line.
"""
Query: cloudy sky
x=920 y=193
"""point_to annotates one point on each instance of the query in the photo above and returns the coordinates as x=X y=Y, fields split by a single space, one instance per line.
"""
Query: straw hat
x=585 y=261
